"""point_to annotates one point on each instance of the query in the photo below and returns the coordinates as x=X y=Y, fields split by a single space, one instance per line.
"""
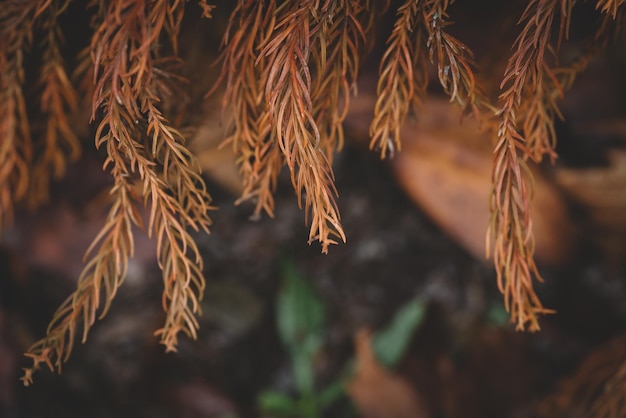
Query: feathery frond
x=341 y=38
x=127 y=79
x=402 y=81
x=105 y=271
x=454 y=59
x=17 y=18
x=258 y=157
x=58 y=101
x=510 y=199
x=609 y=7
x=288 y=95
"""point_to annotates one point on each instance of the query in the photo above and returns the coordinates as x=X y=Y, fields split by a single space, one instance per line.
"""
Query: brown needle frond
x=126 y=77
x=207 y=9
x=540 y=107
x=455 y=61
x=17 y=18
x=402 y=80
x=58 y=101
x=510 y=199
x=105 y=271
x=536 y=76
x=180 y=199
x=250 y=135
x=177 y=202
x=288 y=92
x=609 y=6
x=341 y=37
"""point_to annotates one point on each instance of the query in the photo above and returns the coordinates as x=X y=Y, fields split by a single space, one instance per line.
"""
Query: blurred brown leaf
x=602 y=193
x=378 y=393
x=446 y=167
x=217 y=162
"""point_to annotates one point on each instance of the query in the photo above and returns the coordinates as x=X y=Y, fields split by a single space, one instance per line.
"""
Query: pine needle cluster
x=289 y=70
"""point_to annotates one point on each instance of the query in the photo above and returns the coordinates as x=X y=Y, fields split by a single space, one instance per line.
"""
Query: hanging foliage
x=289 y=71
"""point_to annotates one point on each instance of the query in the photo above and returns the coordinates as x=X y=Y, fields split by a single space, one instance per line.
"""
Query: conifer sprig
x=104 y=272
x=455 y=62
x=58 y=101
x=511 y=224
x=127 y=79
x=177 y=202
x=17 y=20
x=402 y=80
x=175 y=192
x=341 y=38
x=288 y=95
x=609 y=7
x=258 y=156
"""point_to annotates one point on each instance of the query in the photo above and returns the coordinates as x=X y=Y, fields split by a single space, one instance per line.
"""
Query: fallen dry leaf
x=445 y=166
x=602 y=192
x=218 y=162
x=378 y=393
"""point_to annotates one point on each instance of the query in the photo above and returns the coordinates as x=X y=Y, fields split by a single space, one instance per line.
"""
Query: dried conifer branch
x=105 y=271
x=341 y=37
x=510 y=200
x=402 y=81
x=542 y=89
x=454 y=59
x=288 y=92
x=58 y=101
x=609 y=6
x=17 y=18
x=178 y=201
x=127 y=78
x=609 y=30
x=259 y=158
x=514 y=242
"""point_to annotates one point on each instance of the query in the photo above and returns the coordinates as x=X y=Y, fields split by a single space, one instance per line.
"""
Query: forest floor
x=464 y=360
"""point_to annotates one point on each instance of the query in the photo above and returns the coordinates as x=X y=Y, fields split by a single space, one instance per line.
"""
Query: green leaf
x=497 y=315
x=300 y=311
x=302 y=365
x=300 y=321
x=391 y=343
x=274 y=402
x=308 y=407
x=331 y=394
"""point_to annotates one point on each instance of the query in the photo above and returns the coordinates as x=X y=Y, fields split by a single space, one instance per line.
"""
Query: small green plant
x=300 y=320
